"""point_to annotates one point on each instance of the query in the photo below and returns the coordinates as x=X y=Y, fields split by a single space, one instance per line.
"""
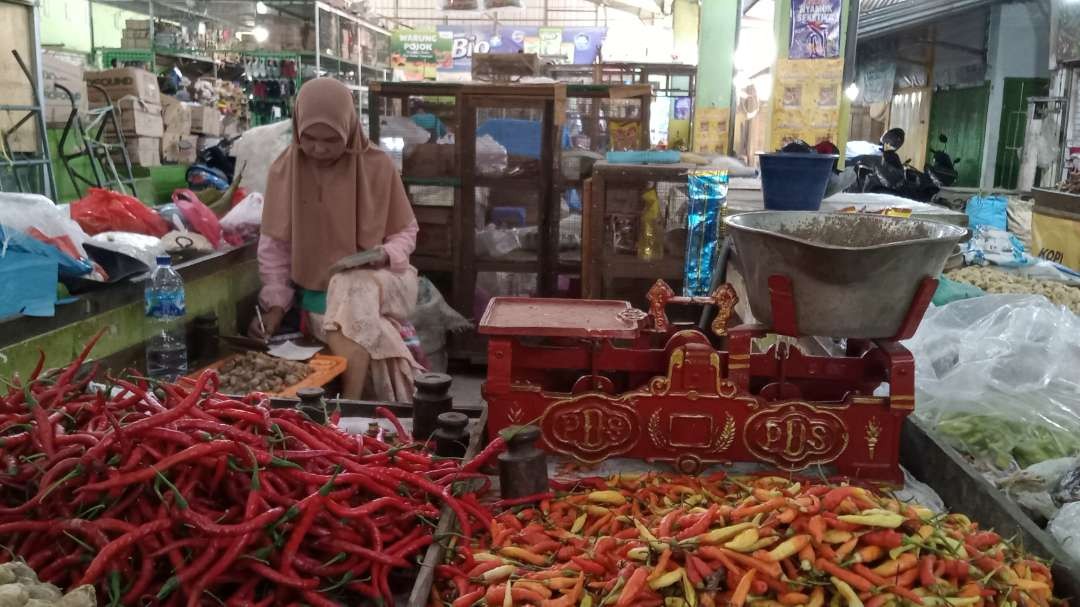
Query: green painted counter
x=224 y=283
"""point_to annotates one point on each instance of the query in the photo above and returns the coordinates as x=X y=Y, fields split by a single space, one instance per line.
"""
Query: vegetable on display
x=177 y=495
x=652 y=540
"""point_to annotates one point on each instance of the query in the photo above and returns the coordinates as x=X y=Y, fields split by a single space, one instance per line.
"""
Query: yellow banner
x=711 y=130
x=806 y=101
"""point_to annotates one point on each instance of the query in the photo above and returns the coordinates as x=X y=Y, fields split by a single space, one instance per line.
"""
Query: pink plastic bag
x=107 y=211
x=198 y=216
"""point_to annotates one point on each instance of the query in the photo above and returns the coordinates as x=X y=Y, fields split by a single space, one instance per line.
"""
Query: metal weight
x=432 y=399
x=451 y=436
x=312 y=404
x=523 y=467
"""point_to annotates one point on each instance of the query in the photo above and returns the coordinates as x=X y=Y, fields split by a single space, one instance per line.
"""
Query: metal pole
x=318 y=43
x=48 y=179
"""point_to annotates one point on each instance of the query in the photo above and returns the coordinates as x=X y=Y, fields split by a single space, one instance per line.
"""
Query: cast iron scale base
x=604 y=380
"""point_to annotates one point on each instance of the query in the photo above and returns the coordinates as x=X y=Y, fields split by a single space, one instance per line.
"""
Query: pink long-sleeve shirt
x=275 y=264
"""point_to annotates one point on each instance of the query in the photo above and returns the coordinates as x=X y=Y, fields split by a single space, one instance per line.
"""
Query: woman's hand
x=271 y=321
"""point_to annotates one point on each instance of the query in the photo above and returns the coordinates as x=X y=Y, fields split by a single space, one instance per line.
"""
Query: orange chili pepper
x=633 y=587
x=742 y=590
x=794 y=598
x=661 y=565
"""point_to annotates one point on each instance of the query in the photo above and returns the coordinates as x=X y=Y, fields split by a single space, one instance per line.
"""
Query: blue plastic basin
x=795 y=182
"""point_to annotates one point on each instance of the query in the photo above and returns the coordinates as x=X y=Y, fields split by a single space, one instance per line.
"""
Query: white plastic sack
x=491 y=158
x=257 y=150
x=399 y=127
x=140 y=246
x=25 y=211
x=998 y=377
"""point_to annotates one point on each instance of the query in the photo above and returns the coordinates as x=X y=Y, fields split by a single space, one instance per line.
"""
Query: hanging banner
x=876 y=80
x=569 y=45
x=815 y=29
x=418 y=54
x=806 y=101
x=1064 y=32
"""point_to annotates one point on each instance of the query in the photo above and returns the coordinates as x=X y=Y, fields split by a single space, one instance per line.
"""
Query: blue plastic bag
x=14 y=240
x=988 y=211
x=708 y=196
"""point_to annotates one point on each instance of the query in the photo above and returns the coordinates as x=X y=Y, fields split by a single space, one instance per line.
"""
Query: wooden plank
x=437 y=550
x=587 y=242
x=16 y=33
x=964 y=489
x=549 y=204
x=465 y=278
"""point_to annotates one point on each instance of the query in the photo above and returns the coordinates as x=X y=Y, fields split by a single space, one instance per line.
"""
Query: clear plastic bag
x=1065 y=527
x=997 y=377
x=26 y=212
x=245 y=219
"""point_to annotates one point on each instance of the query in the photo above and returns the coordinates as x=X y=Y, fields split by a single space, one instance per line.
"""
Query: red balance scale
x=604 y=380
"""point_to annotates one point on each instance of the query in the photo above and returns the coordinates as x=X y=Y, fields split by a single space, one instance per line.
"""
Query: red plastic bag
x=107 y=211
x=198 y=216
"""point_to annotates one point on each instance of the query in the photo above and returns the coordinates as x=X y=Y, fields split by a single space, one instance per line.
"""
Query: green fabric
x=952 y=290
x=313 y=301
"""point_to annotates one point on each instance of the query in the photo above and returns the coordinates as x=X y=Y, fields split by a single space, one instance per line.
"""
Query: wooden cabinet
x=484 y=168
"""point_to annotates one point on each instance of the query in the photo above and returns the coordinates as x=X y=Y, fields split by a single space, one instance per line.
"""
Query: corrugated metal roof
x=879 y=17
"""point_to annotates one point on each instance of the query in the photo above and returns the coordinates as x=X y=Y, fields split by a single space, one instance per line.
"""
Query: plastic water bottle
x=166 y=350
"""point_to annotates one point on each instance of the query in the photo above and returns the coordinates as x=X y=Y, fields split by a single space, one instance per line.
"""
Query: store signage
x=569 y=45
x=417 y=54
x=815 y=29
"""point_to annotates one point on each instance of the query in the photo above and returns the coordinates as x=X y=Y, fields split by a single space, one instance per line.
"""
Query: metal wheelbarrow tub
x=853 y=274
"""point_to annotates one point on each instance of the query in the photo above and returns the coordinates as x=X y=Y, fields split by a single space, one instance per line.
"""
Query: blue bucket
x=795 y=182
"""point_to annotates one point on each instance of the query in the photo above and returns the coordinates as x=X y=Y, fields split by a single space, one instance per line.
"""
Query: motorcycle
x=889 y=174
x=214 y=167
x=942 y=168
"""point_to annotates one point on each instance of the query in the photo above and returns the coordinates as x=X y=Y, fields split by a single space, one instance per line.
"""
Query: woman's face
x=321 y=142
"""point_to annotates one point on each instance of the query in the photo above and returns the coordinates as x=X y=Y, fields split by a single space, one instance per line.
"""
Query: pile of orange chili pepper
x=652 y=540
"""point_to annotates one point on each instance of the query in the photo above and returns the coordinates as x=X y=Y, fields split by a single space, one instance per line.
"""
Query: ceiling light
x=852 y=92
x=202 y=28
x=261 y=8
x=260 y=33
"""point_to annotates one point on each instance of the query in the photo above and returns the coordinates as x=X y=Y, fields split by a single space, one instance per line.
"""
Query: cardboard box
x=139 y=119
x=65 y=69
x=176 y=116
x=230 y=126
x=1055 y=227
x=135 y=43
x=430 y=160
x=138 y=24
x=179 y=149
x=144 y=151
x=205 y=120
x=123 y=82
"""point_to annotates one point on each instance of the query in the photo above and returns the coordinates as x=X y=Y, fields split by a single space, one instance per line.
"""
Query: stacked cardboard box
x=205 y=120
x=178 y=145
x=286 y=33
x=136 y=34
x=137 y=103
x=64 y=69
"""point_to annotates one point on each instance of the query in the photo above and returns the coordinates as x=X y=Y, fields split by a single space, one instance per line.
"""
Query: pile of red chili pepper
x=165 y=494
x=651 y=540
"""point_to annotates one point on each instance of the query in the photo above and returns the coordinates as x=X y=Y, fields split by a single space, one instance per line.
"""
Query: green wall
x=126 y=327
x=67 y=23
x=1014 y=127
x=961 y=115
x=716 y=50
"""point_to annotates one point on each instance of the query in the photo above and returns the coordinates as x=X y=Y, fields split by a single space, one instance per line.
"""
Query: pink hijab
x=331 y=210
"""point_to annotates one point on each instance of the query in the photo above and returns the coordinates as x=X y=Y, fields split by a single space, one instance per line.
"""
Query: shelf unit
x=456 y=193
x=342 y=46
x=668 y=82
x=611 y=268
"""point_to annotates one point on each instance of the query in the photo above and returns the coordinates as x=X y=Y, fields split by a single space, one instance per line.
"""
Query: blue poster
x=579 y=46
x=815 y=29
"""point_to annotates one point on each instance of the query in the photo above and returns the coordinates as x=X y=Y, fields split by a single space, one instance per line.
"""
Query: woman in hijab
x=338 y=226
